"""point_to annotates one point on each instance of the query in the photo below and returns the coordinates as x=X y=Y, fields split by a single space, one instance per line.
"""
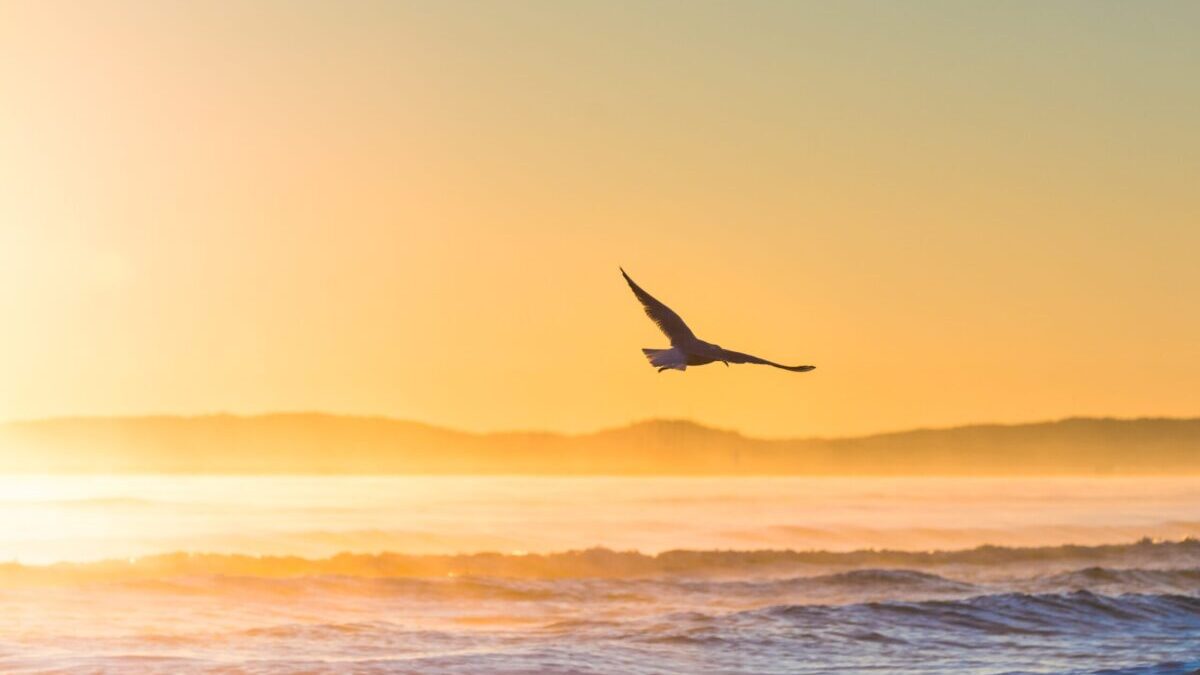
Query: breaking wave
x=1045 y=614
x=1164 y=564
x=1130 y=609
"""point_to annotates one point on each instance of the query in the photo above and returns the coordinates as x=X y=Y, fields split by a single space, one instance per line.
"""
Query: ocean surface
x=166 y=574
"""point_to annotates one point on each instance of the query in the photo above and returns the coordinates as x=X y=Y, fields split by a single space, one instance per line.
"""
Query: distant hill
x=318 y=443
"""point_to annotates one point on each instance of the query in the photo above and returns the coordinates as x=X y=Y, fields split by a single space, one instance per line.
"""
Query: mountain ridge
x=307 y=442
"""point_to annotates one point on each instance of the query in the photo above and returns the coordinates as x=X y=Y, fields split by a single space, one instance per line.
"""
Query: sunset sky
x=960 y=212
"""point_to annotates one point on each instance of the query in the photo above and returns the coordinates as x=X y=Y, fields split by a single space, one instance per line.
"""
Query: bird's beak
x=726 y=363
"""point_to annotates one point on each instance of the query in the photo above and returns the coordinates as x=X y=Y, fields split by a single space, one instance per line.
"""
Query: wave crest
x=857 y=567
x=1006 y=613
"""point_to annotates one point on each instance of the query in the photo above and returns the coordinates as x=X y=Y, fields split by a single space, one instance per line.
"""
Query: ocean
x=409 y=574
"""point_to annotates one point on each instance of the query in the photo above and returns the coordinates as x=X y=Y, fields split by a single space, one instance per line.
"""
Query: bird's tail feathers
x=666 y=358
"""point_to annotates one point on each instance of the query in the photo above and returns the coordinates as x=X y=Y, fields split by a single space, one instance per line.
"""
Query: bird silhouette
x=687 y=349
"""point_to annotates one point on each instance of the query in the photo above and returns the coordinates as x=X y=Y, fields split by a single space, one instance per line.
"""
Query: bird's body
x=687 y=349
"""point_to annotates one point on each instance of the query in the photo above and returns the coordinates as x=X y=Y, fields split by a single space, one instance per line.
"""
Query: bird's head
x=715 y=352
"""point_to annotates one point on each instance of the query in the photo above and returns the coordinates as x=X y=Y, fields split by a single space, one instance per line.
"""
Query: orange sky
x=958 y=212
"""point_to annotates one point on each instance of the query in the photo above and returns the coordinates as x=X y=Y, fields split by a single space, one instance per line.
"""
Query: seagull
x=687 y=349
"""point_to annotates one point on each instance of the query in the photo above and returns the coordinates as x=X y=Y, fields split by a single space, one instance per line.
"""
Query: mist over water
x=81 y=518
x=650 y=575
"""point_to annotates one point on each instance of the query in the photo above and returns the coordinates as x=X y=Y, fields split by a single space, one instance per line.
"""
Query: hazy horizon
x=318 y=444
x=589 y=431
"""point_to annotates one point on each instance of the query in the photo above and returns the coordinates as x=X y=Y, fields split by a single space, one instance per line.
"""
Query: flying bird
x=687 y=349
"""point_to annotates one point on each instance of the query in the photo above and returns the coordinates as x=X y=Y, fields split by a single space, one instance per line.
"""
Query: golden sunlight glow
x=414 y=210
x=315 y=356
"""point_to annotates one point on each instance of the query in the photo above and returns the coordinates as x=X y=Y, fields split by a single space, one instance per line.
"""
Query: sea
x=509 y=574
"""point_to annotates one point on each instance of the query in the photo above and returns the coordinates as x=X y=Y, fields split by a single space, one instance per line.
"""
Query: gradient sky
x=960 y=212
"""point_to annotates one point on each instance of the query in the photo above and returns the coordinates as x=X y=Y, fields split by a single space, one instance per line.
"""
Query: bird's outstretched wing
x=667 y=321
x=738 y=357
